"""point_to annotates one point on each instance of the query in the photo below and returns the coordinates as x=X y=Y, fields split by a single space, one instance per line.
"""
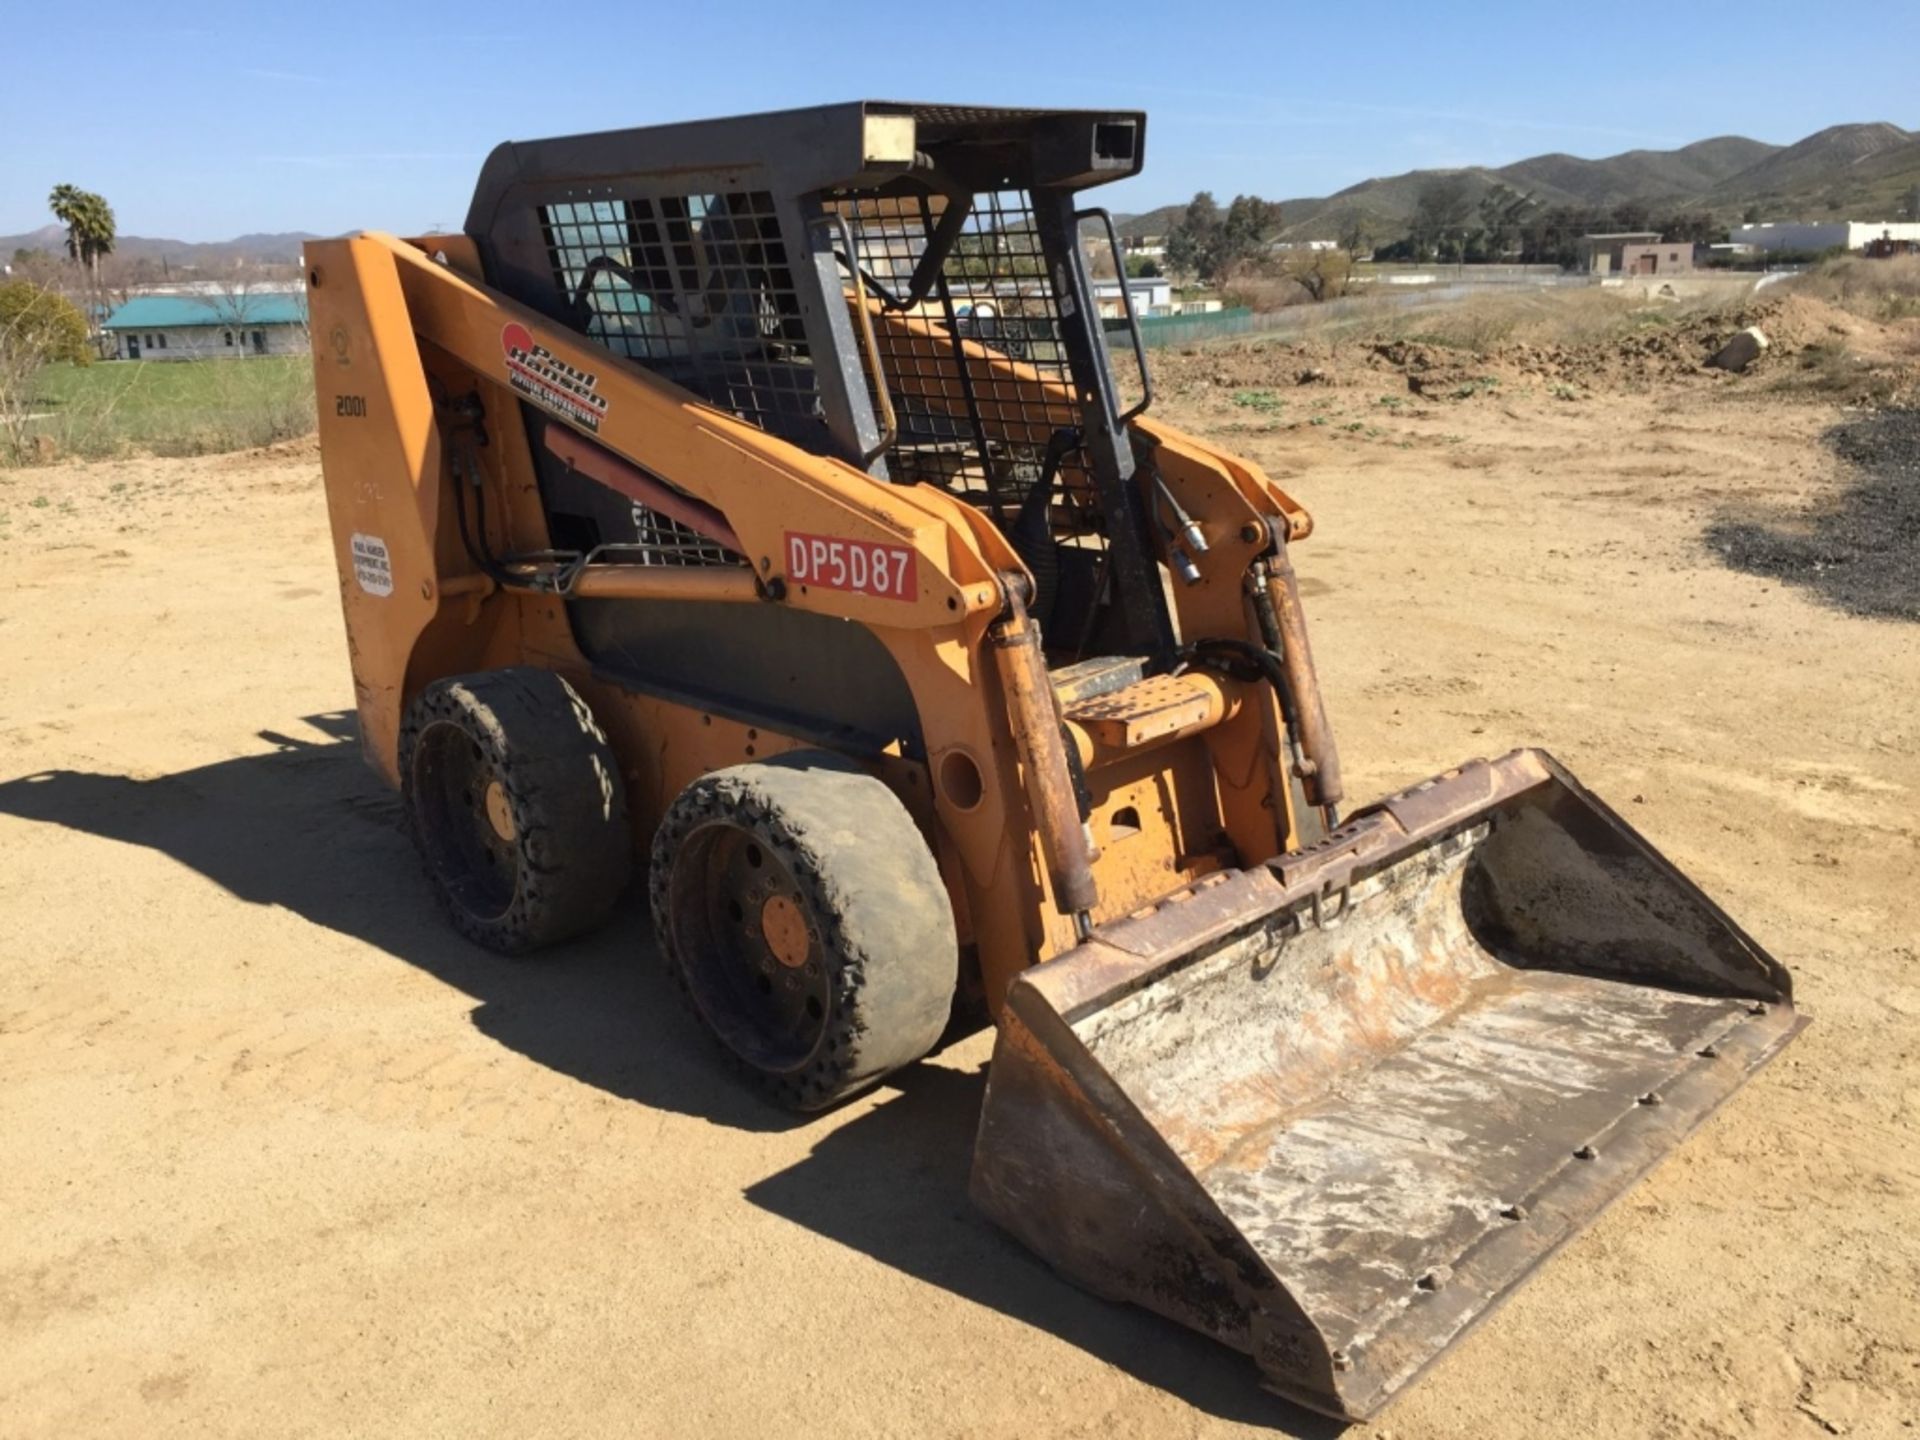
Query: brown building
x=1606 y=254
x=1673 y=257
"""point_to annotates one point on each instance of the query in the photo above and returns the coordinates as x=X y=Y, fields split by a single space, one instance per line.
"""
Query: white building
x=1822 y=235
x=1152 y=295
x=210 y=325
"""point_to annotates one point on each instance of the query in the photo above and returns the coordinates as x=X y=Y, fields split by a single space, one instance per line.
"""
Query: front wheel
x=801 y=913
x=516 y=806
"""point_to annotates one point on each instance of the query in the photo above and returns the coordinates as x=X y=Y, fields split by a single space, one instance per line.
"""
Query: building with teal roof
x=210 y=324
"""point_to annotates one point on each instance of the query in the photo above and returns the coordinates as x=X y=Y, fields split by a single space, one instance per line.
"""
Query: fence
x=1186 y=329
x=1367 y=303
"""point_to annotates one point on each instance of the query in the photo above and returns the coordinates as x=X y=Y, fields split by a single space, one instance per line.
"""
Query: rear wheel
x=516 y=807
x=803 y=917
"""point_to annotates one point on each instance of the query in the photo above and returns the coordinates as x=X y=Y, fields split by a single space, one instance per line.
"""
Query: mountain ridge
x=1843 y=172
x=260 y=248
x=1859 y=171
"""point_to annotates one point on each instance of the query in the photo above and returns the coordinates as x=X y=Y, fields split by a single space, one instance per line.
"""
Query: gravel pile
x=1860 y=550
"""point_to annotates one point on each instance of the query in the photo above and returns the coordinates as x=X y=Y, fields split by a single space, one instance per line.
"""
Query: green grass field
x=174 y=407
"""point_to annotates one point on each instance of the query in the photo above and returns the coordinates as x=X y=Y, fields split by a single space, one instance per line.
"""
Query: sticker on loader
x=372 y=567
x=862 y=567
x=549 y=382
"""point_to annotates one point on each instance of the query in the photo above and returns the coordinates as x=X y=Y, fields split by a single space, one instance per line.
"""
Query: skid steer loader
x=758 y=496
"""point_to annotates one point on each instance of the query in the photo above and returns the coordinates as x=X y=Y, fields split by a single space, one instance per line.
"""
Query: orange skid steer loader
x=757 y=497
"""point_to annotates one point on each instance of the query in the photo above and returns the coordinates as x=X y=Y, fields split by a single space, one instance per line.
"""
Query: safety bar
x=883 y=399
x=1099 y=213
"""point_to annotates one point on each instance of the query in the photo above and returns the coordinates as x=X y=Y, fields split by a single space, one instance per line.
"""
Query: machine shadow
x=1855 y=550
x=309 y=828
x=892 y=1184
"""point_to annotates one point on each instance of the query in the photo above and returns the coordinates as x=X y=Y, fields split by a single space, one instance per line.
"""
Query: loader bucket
x=1330 y=1110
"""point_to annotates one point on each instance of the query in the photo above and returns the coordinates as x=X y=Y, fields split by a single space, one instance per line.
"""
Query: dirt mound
x=1844 y=352
x=1438 y=371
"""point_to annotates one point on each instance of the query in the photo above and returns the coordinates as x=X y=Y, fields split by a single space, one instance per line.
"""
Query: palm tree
x=89 y=222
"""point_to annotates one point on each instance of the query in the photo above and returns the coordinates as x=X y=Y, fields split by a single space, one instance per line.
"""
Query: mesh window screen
x=698 y=289
x=980 y=433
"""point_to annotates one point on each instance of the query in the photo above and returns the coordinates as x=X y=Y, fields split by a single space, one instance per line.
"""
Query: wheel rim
x=748 y=949
x=466 y=822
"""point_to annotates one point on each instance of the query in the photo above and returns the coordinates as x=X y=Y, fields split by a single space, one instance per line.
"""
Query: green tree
x=1630 y=215
x=1249 y=228
x=38 y=327
x=1193 y=239
x=43 y=322
x=1142 y=267
x=1695 y=227
x=1323 y=274
x=89 y=222
x=1205 y=243
x=1441 y=212
x=1356 y=234
x=1503 y=215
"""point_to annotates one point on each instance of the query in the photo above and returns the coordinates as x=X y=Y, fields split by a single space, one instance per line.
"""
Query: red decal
x=550 y=382
x=863 y=567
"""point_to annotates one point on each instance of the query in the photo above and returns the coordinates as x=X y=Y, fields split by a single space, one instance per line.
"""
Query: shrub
x=38 y=328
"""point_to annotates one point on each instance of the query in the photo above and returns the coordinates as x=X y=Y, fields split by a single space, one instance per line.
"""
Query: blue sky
x=342 y=116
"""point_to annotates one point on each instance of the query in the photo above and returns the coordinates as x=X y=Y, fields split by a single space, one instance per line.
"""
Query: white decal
x=371 y=565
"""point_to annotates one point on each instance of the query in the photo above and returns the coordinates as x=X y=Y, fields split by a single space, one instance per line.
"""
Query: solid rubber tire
x=572 y=847
x=873 y=898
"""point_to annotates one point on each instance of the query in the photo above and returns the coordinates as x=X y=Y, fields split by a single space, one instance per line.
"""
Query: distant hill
x=275 y=249
x=1639 y=174
x=1863 y=172
x=1843 y=168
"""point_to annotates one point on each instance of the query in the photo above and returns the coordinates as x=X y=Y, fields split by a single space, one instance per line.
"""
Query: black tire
x=516 y=807
x=862 y=982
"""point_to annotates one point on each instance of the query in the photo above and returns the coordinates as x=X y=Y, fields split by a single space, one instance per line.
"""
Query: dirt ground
x=283 y=1156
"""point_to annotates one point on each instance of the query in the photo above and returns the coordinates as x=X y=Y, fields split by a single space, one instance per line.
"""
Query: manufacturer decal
x=861 y=567
x=549 y=382
x=372 y=567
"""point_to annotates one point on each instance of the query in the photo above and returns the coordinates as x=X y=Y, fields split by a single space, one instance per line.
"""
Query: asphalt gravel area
x=1860 y=548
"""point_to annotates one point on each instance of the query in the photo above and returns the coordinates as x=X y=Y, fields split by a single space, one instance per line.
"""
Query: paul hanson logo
x=537 y=373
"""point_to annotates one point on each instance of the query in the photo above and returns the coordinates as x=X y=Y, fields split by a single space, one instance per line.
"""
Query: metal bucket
x=1332 y=1109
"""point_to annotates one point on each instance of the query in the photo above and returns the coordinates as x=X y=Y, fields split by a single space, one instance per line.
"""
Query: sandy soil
x=282 y=1156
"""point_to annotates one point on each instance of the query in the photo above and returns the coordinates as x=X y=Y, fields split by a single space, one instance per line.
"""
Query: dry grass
x=1264 y=293
x=1482 y=324
x=1879 y=290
